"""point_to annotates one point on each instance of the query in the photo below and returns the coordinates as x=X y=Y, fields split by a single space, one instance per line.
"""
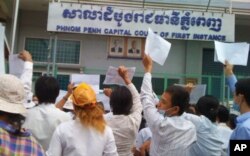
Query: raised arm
x=230 y=77
x=150 y=111
x=62 y=102
x=137 y=107
x=27 y=74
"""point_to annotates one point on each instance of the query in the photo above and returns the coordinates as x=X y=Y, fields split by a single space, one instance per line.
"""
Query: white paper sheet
x=2 y=62
x=104 y=99
x=234 y=53
x=92 y=80
x=112 y=76
x=157 y=47
x=61 y=94
x=197 y=92
x=16 y=65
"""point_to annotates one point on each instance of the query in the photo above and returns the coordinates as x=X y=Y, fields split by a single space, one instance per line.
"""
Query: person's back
x=13 y=139
x=42 y=120
x=45 y=117
x=172 y=136
x=208 y=138
x=224 y=131
x=126 y=116
x=88 y=134
x=79 y=140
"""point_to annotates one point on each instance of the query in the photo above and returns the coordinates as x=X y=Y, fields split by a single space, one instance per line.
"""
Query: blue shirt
x=231 y=81
x=242 y=130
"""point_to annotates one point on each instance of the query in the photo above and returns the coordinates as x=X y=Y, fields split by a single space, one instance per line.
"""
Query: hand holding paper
x=16 y=65
x=123 y=72
x=228 y=68
x=157 y=47
x=112 y=76
x=147 y=63
x=25 y=56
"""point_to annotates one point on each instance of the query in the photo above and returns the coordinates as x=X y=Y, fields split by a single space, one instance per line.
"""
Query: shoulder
x=57 y=111
x=246 y=125
x=67 y=125
x=108 y=129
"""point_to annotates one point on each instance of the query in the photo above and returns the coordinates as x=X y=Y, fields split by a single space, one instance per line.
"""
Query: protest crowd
x=35 y=123
x=124 y=78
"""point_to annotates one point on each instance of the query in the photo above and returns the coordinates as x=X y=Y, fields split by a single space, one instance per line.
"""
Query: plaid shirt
x=21 y=145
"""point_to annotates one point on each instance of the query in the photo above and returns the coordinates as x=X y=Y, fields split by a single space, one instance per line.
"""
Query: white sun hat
x=12 y=94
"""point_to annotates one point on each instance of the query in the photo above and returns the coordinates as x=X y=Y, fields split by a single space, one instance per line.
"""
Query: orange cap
x=83 y=94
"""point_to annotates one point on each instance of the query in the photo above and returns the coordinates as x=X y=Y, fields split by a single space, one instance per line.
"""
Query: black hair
x=208 y=106
x=190 y=110
x=121 y=101
x=46 y=89
x=243 y=87
x=179 y=97
x=232 y=121
x=16 y=120
x=223 y=114
x=143 y=123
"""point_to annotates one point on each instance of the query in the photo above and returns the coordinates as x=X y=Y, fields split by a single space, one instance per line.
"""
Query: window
x=38 y=48
x=68 y=51
x=63 y=81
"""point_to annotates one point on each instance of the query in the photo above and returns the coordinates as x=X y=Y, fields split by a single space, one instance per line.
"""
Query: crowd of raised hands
x=170 y=128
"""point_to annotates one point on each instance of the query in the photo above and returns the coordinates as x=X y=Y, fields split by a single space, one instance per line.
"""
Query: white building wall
x=94 y=47
x=185 y=57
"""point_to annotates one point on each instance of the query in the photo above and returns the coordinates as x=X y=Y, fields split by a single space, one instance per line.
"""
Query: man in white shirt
x=172 y=135
x=45 y=117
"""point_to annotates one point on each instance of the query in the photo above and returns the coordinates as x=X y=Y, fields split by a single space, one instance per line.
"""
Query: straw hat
x=12 y=94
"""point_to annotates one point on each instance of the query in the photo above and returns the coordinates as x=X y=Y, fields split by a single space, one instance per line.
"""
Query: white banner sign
x=171 y=24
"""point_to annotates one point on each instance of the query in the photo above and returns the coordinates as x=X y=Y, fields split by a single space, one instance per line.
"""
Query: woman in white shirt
x=208 y=137
x=88 y=134
x=125 y=117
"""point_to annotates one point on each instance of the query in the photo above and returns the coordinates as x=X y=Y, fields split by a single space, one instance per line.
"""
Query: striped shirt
x=18 y=145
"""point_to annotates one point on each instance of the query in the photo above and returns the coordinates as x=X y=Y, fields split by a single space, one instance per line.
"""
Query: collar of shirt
x=243 y=117
x=9 y=128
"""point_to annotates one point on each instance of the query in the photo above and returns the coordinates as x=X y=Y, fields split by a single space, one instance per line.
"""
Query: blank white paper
x=112 y=76
x=234 y=53
x=157 y=47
